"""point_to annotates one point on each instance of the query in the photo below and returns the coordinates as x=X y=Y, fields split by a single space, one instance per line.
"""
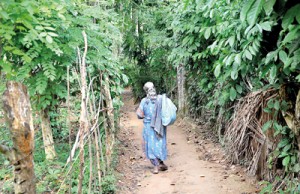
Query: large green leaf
x=234 y=74
x=217 y=70
x=6 y=66
x=49 y=39
x=231 y=40
x=290 y=16
x=292 y=35
x=232 y=94
x=286 y=161
x=283 y=56
x=237 y=59
x=254 y=11
x=297 y=170
x=266 y=26
x=246 y=7
x=298 y=17
x=268 y=6
x=283 y=143
x=207 y=33
x=239 y=89
x=271 y=56
x=277 y=105
x=248 y=55
x=267 y=125
x=273 y=73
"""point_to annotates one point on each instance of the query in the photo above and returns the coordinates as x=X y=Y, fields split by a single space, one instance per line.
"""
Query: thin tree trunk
x=181 y=89
x=98 y=154
x=83 y=114
x=69 y=125
x=91 y=164
x=16 y=105
x=110 y=128
x=47 y=136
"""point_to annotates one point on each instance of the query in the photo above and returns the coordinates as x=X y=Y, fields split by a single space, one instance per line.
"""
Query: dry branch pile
x=244 y=138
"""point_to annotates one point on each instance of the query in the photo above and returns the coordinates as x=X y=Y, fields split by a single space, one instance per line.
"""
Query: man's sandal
x=155 y=170
x=163 y=167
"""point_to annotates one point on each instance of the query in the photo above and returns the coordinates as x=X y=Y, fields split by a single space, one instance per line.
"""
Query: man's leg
x=155 y=163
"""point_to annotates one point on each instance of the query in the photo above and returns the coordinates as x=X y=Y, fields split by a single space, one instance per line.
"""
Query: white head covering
x=150 y=90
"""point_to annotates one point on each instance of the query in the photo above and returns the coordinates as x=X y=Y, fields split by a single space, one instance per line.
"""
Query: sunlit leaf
x=43 y=34
x=207 y=33
x=234 y=74
x=245 y=9
x=292 y=35
x=217 y=70
x=52 y=34
x=254 y=11
x=266 y=26
x=248 y=55
x=49 y=39
x=286 y=161
x=290 y=16
x=268 y=6
x=273 y=73
x=238 y=59
x=283 y=56
x=231 y=40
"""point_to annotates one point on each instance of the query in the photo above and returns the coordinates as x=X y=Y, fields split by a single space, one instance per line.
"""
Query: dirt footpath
x=196 y=165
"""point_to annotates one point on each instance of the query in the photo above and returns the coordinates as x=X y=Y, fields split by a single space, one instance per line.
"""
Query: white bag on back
x=168 y=112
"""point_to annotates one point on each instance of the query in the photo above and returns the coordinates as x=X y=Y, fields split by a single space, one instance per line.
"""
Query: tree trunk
x=47 y=136
x=98 y=155
x=181 y=89
x=296 y=121
x=110 y=128
x=292 y=117
x=83 y=113
x=17 y=109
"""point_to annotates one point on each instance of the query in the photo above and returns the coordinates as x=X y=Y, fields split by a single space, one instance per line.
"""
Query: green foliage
x=6 y=177
x=144 y=46
x=221 y=42
x=39 y=40
x=292 y=186
x=231 y=48
x=108 y=184
x=286 y=153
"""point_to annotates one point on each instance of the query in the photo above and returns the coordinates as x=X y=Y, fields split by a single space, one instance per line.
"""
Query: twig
x=75 y=145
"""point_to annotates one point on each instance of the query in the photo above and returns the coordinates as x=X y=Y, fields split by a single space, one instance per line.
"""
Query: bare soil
x=196 y=164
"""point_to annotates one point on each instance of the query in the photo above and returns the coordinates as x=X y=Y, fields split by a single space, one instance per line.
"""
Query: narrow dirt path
x=193 y=169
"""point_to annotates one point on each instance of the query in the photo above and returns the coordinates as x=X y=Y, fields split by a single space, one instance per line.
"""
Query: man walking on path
x=154 y=133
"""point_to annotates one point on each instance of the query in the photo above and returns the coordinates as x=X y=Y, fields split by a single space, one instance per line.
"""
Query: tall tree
x=16 y=105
